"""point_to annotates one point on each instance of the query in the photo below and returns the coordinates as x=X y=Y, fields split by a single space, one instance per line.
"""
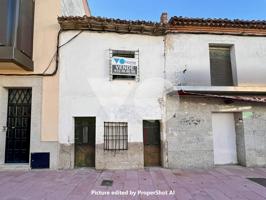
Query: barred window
x=115 y=136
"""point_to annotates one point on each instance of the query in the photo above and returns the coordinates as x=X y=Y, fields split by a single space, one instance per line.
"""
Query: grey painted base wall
x=66 y=156
x=126 y=159
x=189 y=131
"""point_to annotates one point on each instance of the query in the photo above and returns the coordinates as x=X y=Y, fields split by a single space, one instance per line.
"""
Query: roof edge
x=111 y=25
x=175 y=25
x=217 y=22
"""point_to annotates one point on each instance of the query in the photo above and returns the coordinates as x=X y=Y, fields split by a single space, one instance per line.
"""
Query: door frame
x=6 y=124
x=74 y=131
x=160 y=142
x=235 y=132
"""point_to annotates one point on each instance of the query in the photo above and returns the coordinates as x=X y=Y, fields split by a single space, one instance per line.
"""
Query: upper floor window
x=221 y=66
x=124 y=65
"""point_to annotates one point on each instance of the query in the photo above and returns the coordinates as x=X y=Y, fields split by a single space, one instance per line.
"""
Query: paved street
x=221 y=183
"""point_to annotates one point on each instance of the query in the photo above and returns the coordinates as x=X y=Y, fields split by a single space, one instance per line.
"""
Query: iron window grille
x=131 y=54
x=115 y=136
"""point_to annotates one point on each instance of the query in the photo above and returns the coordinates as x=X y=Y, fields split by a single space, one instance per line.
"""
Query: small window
x=125 y=54
x=124 y=65
x=221 y=68
x=115 y=136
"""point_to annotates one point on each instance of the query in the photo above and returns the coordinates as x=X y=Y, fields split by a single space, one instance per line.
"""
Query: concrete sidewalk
x=221 y=183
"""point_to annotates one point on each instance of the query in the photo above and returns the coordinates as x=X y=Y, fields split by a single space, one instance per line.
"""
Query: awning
x=260 y=99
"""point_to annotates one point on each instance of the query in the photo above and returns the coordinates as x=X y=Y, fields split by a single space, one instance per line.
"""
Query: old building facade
x=216 y=112
x=181 y=94
x=118 y=94
x=112 y=105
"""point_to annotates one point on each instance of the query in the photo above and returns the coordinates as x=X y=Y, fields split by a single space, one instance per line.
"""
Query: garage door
x=224 y=138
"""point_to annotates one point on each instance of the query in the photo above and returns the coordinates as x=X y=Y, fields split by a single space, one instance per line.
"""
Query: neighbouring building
x=183 y=93
x=216 y=112
x=29 y=80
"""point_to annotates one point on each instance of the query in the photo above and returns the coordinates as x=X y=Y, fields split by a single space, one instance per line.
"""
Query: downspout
x=164 y=22
x=164 y=105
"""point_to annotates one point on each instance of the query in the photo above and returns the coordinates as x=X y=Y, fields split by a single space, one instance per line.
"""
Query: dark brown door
x=152 y=144
x=18 y=126
x=85 y=141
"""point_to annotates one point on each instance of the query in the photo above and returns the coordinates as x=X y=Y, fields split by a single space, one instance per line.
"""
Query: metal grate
x=115 y=136
x=107 y=183
x=261 y=181
x=18 y=126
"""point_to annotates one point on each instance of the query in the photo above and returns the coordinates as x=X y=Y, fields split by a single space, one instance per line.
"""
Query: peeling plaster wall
x=189 y=131
x=240 y=139
x=130 y=159
x=85 y=90
x=255 y=137
x=191 y=52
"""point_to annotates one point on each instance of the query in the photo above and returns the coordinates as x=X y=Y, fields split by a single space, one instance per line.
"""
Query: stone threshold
x=15 y=166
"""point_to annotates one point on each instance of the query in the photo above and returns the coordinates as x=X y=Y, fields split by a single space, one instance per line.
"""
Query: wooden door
x=85 y=141
x=152 y=143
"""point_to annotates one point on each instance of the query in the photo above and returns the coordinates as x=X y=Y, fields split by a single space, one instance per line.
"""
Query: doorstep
x=14 y=167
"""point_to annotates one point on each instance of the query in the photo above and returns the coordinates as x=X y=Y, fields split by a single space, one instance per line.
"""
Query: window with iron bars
x=115 y=136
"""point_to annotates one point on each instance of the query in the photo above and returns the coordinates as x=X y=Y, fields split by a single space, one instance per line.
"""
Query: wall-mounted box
x=40 y=160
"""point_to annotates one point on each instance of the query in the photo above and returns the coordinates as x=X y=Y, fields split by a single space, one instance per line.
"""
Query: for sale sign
x=124 y=66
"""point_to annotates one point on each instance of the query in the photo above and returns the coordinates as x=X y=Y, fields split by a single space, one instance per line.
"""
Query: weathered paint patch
x=191 y=121
x=247 y=115
x=133 y=158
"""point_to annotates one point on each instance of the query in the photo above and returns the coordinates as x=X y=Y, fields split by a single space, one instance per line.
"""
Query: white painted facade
x=191 y=52
x=86 y=90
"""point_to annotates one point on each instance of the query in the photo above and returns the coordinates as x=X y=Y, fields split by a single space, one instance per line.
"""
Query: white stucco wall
x=191 y=52
x=85 y=88
x=74 y=8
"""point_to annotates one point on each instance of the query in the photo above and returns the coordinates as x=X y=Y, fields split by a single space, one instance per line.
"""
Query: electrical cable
x=55 y=56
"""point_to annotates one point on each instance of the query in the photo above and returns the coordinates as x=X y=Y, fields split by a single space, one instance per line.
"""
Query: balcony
x=16 y=34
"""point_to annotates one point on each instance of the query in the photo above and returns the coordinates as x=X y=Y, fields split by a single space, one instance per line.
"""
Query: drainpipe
x=164 y=21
